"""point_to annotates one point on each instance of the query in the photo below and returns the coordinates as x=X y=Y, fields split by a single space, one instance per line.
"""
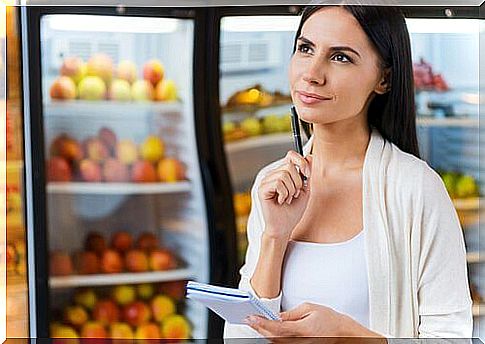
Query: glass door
x=125 y=213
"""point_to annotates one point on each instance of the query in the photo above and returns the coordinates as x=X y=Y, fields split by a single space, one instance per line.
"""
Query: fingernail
x=250 y=320
x=297 y=194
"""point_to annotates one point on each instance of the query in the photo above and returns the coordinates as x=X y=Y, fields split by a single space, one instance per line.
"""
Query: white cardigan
x=416 y=259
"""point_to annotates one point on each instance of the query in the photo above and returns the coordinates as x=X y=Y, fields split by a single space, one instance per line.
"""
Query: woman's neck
x=338 y=147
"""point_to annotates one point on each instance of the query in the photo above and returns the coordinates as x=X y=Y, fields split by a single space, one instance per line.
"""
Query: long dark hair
x=393 y=114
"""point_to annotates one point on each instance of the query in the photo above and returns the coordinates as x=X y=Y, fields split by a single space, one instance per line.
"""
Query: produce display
x=144 y=311
x=104 y=158
x=16 y=263
x=121 y=254
x=253 y=126
x=426 y=79
x=100 y=79
x=460 y=185
x=255 y=96
x=242 y=207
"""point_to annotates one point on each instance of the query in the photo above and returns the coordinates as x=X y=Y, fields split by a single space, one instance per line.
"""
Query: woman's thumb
x=295 y=314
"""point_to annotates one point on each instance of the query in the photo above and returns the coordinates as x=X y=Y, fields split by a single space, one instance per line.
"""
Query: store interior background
x=449 y=131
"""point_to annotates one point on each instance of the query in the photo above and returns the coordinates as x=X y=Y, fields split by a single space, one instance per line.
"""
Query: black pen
x=296 y=135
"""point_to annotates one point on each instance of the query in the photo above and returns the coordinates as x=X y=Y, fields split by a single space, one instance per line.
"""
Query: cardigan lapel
x=376 y=228
x=377 y=232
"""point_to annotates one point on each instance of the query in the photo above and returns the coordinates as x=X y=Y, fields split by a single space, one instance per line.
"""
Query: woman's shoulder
x=412 y=172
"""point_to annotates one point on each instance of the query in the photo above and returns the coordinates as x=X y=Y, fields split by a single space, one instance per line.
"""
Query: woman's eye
x=303 y=48
x=341 y=58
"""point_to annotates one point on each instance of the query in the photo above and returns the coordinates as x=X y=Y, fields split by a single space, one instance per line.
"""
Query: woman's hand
x=310 y=320
x=284 y=196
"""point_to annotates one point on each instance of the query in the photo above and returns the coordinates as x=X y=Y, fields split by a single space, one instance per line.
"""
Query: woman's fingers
x=286 y=183
x=298 y=160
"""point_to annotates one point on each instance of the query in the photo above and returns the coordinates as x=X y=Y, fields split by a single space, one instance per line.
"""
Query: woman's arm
x=266 y=280
x=444 y=302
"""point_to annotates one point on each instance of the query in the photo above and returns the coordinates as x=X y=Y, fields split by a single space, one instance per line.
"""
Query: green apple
x=252 y=126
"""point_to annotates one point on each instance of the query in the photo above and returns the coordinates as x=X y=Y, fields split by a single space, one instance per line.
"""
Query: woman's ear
x=384 y=84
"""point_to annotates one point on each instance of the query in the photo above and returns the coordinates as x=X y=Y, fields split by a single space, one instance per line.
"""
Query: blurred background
x=134 y=136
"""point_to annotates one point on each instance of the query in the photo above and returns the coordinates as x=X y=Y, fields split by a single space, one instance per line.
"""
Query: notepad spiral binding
x=261 y=308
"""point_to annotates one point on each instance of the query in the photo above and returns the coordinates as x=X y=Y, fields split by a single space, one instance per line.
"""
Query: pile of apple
x=105 y=158
x=253 y=126
x=142 y=311
x=100 y=79
x=425 y=79
x=460 y=185
x=122 y=255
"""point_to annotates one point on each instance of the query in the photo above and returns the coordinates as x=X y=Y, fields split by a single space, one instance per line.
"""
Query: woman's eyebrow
x=344 y=48
x=335 y=48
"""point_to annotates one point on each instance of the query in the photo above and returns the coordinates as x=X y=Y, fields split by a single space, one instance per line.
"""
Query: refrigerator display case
x=123 y=185
x=253 y=57
x=17 y=292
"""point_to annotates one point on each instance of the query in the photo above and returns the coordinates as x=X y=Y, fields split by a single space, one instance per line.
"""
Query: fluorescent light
x=418 y=25
x=100 y=23
x=260 y=23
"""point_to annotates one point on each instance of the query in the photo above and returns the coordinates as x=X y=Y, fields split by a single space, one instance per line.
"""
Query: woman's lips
x=309 y=100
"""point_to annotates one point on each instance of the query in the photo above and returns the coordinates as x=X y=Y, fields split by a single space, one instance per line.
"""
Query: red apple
x=63 y=88
x=162 y=259
x=148 y=331
x=90 y=171
x=136 y=261
x=66 y=147
x=95 y=242
x=136 y=313
x=143 y=172
x=93 y=329
x=121 y=241
x=86 y=262
x=58 y=170
x=153 y=71
x=174 y=289
x=111 y=262
x=115 y=172
x=106 y=311
x=147 y=242
x=60 y=264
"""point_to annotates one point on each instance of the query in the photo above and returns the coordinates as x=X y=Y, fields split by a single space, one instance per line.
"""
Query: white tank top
x=333 y=275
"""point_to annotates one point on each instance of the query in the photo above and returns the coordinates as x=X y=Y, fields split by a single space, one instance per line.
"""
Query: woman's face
x=336 y=62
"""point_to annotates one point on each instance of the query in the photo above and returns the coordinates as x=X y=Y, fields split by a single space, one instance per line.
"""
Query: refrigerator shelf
x=478 y=309
x=475 y=257
x=263 y=141
x=468 y=204
x=109 y=108
x=447 y=122
x=118 y=188
x=120 y=278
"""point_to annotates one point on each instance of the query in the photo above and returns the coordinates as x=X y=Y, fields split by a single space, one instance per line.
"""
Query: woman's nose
x=315 y=73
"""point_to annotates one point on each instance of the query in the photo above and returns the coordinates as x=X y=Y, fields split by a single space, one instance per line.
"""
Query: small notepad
x=233 y=305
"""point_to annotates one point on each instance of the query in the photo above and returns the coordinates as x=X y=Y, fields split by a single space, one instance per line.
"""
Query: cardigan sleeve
x=444 y=301
x=255 y=229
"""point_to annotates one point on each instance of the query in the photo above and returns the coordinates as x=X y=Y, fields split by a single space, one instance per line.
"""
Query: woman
x=371 y=244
